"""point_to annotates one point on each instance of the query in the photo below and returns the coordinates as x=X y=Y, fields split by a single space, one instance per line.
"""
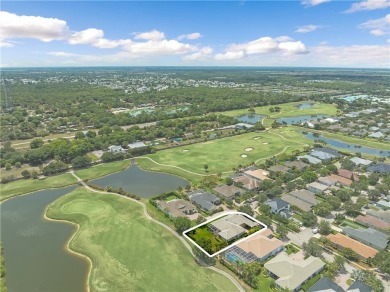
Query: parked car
x=315 y=230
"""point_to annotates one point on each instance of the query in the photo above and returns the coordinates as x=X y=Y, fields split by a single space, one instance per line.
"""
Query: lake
x=300 y=119
x=250 y=119
x=305 y=106
x=34 y=248
x=142 y=183
x=350 y=147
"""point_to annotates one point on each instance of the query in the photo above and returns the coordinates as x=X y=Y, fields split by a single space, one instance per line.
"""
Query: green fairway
x=128 y=251
x=288 y=110
x=223 y=154
x=102 y=169
x=27 y=186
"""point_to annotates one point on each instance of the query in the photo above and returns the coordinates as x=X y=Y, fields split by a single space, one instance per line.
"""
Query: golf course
x=128 y=251
x=222 y=155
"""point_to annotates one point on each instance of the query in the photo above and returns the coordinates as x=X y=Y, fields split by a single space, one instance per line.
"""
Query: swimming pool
x=232 y=258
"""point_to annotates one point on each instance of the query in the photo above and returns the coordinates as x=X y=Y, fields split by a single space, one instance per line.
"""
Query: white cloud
x=307 y=28
x=37 y=27
x=368 y=5
x=5 y=44
x=377 y=27
x=264 y=45
x=190 y=36
x=62 y=54
x=313 y=2
x=158 y=47
x=203 y=54
x=153 y=35
x=94 y=37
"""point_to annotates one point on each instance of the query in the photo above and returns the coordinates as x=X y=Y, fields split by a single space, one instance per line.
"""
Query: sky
x=306 y=33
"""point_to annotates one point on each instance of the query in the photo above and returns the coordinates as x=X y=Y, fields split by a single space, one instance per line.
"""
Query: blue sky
x=223 y=33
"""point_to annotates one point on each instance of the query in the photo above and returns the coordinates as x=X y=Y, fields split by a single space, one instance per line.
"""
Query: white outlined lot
x=232 y=244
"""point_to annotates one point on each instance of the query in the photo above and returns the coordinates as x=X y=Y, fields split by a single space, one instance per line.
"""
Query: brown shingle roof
x=345 y=181
x=259 y=174
x=228 y=191
x=348 y=174
x=360 y=248
x=372 y=221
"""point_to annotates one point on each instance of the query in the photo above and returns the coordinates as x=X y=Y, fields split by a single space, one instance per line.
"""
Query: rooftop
x=342 y=180
x=305 y=195
x=259 y=174
x=368 y=236
x=317 y=186
x=228 y=191
x=296 y=164
x=370 y=220
x=247 y=182
x=297 y=202
x=276 y=168
x=325 y=285
x=360 y=248
x=311 y=159
x=233 y=225
x=260 y=244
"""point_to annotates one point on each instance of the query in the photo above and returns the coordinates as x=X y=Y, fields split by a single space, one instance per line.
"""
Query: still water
x=34 y=248
x=300 y=119
x=250 y=119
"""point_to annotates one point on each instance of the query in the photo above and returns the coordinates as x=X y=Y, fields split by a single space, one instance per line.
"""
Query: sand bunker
x=256 y=138
x=265 y=143
x=185 y=150
x=244 y=155
x=248 y=149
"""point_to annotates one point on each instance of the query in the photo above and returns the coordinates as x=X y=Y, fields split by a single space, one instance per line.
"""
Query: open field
x=29 y=185
x=17 y=172
x=102 y=169
x=288 y=110
x=128 y=251
x=223 y=154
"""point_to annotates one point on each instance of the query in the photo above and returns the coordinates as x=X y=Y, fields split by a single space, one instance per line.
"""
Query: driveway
x=300 y=237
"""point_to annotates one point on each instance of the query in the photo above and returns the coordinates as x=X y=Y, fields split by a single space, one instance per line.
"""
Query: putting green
x=128 y=251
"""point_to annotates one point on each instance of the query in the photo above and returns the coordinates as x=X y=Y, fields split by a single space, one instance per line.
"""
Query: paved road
x=230 y=277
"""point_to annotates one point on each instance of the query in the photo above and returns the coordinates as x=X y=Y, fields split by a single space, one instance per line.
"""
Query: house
x=257 y=248
x=382 y=215
x=379 y=167
x=232 y=226
x=136 y=145
x=325 y=284
x=299 y=165
x=116 y=149
x=278 y=206
x=306 y=196
x=348 y=174
x=322 y=155
x=376 y=135
x=292 y=273
x=302 y=205
x=279 y=168
x=341 y=241
x=243 y=126
x=327 y=180
x=228 y=192
x=341 y=180
x=361 y=162
x=247 y=182
x=204 y=200
x=258 y=174
x=368 y=236
x=359 y=286
x=176 y=208
x=310 y=159
x=371 y=221
x=383 y=204
x=316 y=187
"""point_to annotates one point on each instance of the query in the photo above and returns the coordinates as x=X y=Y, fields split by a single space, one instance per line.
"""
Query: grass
x=347 y=222
x=291 y=249
x=311 y=282
x=264 y=283
x=288 y=110
x=170 y=198
x=128 y=251
x=203 y=232
x=223 y=154
x=17 y=172
x=29 y=185
x=102 y=169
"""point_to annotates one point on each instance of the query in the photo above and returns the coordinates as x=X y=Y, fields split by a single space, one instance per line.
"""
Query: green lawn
x=264 y=283
x=347 y=222
x=291 y=249
x=288 y=110
x=102 y=169
x=203 y=232
x=27 y=186
x=311 y=282
x=170 y=198
x=128 y=251
x=222 y=155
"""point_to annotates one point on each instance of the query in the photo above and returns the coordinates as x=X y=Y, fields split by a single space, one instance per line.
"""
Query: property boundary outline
x=231 y=245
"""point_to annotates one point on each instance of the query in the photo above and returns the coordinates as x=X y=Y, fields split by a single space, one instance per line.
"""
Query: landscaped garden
x=207 y=240
x=114 y=233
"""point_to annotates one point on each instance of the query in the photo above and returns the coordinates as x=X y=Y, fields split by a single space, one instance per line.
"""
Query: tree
x=181 y=224
x=246 y=209
x=324 y=227
x=309 y=219
x=81 y=161
x=311 y=248
x=382 y=261
x=323 y=209
x=206 y=167
x=250 y=272
x=335 y=202
x=352 y=209
x=229 y=181
x=350 y=254
x=309 y=176
x=34 y=174
x=282 y=231
x=8 y=166
x=36 y=143
x=79 y=135
x=18 y=165
x=26 y=173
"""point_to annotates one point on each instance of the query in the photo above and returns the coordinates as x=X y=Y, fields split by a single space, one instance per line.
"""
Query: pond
x=300 y=119
x=142 y=183
x=34 y=248
x=305 y=106
x=250 y=119
x=354 y=97
x=350 y=147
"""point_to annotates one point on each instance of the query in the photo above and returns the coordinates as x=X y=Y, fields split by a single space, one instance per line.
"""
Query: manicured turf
x=27 y=186
x=264 y=283
x=222 y=155
x=128 y=251
x=102 y=169
x=288 y=110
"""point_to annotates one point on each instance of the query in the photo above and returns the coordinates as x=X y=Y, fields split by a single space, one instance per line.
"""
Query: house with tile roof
x=176 y=208
x=310 y=159
x=316 y=187
x=341 y=180
x=228 y=192
x=292 y=273
x=368 y=236
x=232 y=226
x=361 y=162
x=371 y=221
x=341 y=241
x=299 y=165
x=325 y=284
